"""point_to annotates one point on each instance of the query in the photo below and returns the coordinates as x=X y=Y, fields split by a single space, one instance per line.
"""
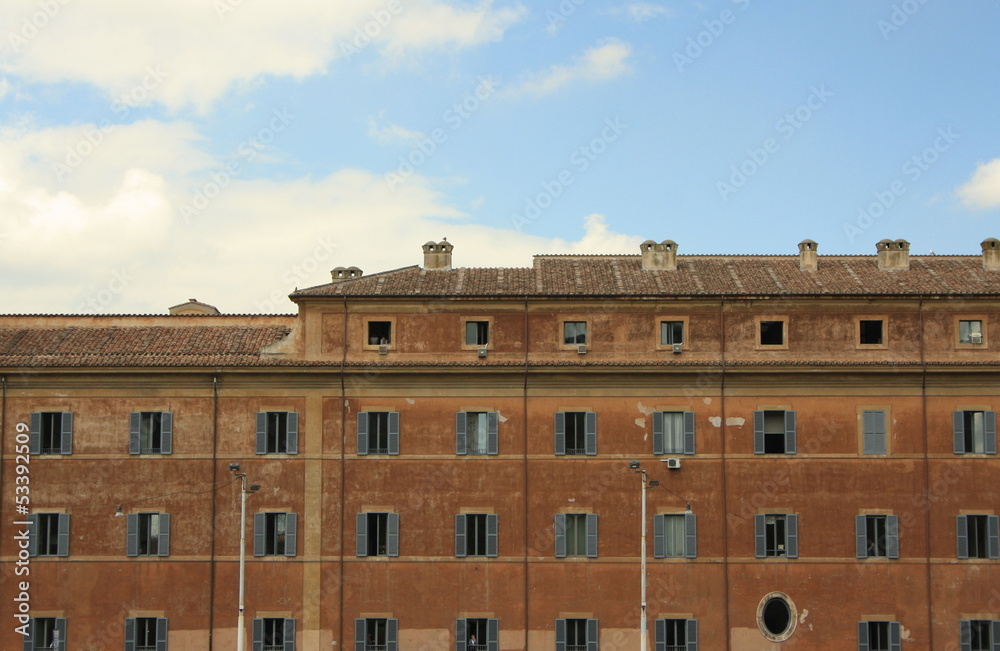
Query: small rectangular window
x=477 y=634
x=146 y=634
x=671 y=332
x=673 y=432
x=873 y=423
x=772 y=333
x=576 y=535
x=774 y=432
x=150 y=432
x=675 y=535
x=676 y=635
x=978 y=536
x=476 y=534
x=46 y=634
x=975 y=432
x=147 y=534
x=277 y=432
x=378 y=534
x=574 y=332
x=575 y=433
x=378 y=432
x=274 y=534
x=376 y=634
x=273 y=634
x=477 y=333
x=970 y=331
x=379 y=333
x=871 y=331
x=879 y=636
x=48 y=534
x=51 y=432
x=877 y=536
x=979 y=635
x=576 y=635
x=776 y=535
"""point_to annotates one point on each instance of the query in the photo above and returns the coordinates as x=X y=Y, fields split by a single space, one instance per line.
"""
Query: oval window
x=776 y=616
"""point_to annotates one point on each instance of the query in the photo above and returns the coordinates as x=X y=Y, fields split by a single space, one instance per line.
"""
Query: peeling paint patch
x=641 y=422
x=736 y=420
x=803 y=615
x=715 y=420
x=501 y=417
x=572 y=499
x=411 y=401
x=707 y=401
x=904 y=633
x=643 y=409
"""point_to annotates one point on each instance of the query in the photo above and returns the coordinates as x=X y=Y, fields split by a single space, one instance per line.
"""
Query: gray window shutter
x=359 y=635
x=259 y=531
x=895 y=637
x=391 y=635
x=965 y=635
x=493 y=432
x=560 y=535
x=35 y=433
x=590 y=433
x=62 y=543
x=759 y=535
x=958 y=429
x=863 y=636
x=492 y=635
x=659 y=544
x=361 y=537
x=994 y=632
x=658 y=432
x=363 y=432
x=289 y=634
x=32 y=520
x=166 y=433
x=560 y=635
x=392 y=535
x=134 y=422
x=758 y=432
x=990 y=431
x=688 y=432
x=660 y=635
x=560 y=430
x=460 y=636
x=790 y=432
x=592 y=537
x=690 y=535
x=873 y=425
x=892 y=536
x=962 y=532
x=163 y=548
x=161 y=634
x=692 y=635
x=492 y=534
x=132 y=534
x=460 y=535
x=292 y=438
x=261 y=441
x=791 y=536
x=461 y=438
x=29 y=640
x=130 y=634
x=393 y=432
x=291 y=520
x=592 y=634
x=861 y=536
x=61 y=630
x=67 y=433
x=257 y=636
x=993 y=529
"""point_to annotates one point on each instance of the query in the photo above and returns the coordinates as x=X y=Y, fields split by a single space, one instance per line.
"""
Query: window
x=378 y=432
x=274 y=534
x=477 y=333
x=147 y=534
x=476 y=534
x=51 y=432
x=978 y=536
x=879 y=636
x=150 y=432
x=378 y=534
x=970 y=331
x=576 y=432
x=476 y=432
x=776 y=616
x=146 y=634
x=975 y=432
x=772 y=333
x=675 y=535
x=671 y=332
x=873 y=434
x=576 y=635
x=576 y=535
x=676 y=634
x=273 y=634
x=876 y=536
x=48 y=633
x=48 y=534
x=376 y=634
x=870 y=332
x=477 y=634
x=774 y=432
x=673 y=432
x=277 y=432
x=776 y=534
x=379 y=333
x=979 y=635
x=574 y=332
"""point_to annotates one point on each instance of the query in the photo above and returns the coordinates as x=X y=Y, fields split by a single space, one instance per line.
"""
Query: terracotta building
x=442 y=457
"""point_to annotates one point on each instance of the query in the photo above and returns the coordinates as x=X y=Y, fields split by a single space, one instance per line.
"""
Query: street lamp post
x=643 y=635
x=240 y=623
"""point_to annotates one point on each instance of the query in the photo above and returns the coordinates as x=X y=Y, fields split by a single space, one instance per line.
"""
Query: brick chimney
x=662 y=256
x=991 y=254
x=341 y=274
x=808 y=257
x=893 y=255
x=437 y=255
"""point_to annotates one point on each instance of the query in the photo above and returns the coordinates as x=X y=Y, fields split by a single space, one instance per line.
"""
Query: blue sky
x=232 y=150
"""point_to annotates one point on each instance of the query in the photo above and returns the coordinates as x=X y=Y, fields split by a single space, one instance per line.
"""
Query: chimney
x=893 y=255
x=808 y=258
x=438 y=255
x=991 y=254
x=662 y=256
x=341 y=274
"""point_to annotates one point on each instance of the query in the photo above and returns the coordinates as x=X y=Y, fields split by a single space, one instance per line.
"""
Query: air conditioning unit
x=678 y=348
x=482 y=352
x=674 y=463
x=581 y=348
x=976 y=338
x=383 y=349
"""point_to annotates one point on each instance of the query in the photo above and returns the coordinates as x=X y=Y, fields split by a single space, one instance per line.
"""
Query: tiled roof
x=695 y=276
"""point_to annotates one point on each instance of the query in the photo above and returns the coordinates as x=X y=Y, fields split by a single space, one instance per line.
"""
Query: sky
x=235 y=150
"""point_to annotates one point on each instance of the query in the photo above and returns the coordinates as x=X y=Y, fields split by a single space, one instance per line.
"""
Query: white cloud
x=640 y=12
x=599 y=63
x=982 y=191
x=4 y=88
x=201 y=52
x=386 y=132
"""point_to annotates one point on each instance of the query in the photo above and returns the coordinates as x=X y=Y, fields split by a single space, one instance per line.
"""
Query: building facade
x=452 y=458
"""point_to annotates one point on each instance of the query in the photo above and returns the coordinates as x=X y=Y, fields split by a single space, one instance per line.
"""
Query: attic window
x=379 y=332
x=772 y=333
x=871 y=331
